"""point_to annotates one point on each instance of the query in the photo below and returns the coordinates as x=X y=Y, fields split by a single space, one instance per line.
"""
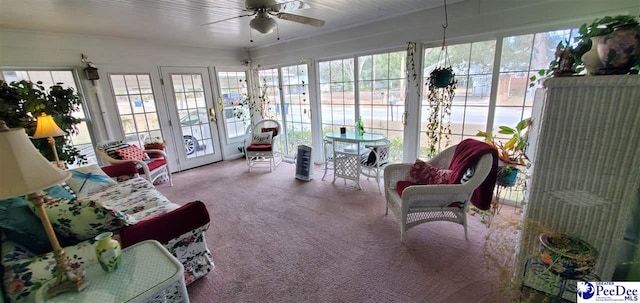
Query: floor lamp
x=47 y=128
x=26 y=172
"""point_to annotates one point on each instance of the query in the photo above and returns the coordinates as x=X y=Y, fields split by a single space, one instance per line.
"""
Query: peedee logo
x=586 y=290
x=608 y=292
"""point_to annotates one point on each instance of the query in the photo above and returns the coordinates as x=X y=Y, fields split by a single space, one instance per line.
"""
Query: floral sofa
x=92 y=202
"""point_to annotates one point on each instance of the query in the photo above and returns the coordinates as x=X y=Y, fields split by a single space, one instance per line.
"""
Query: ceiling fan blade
x=288 y=6
x=223 y=20
x=300 y=19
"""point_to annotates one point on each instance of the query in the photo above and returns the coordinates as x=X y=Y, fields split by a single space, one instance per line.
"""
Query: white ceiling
x=179 y=21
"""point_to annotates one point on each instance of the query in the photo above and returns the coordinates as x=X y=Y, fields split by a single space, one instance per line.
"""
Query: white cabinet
x=585 y=153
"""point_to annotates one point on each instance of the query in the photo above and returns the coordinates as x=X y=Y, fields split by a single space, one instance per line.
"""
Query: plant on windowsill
x=21 y=102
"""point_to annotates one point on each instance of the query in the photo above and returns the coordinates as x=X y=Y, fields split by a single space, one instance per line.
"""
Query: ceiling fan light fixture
x=263 y=24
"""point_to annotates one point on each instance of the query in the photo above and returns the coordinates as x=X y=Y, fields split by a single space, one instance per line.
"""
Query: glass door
x=193 y=115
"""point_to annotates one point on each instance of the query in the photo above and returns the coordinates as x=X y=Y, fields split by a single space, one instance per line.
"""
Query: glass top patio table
x=354 y=137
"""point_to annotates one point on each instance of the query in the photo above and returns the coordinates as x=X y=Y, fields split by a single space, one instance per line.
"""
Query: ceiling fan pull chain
x=278 y=31
x=250 y=34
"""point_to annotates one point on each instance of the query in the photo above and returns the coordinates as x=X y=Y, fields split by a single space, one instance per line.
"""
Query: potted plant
x=22 y=101
x=566 y=255
x=510 y=153
x=154 y=143
x=441 y=85
x=609 y=45
x=565 y=63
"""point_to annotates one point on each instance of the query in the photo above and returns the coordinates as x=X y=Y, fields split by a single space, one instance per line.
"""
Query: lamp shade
x=47 y=128
x=24 y=169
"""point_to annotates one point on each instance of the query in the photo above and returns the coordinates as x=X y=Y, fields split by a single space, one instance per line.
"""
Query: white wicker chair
x=382 y=153
x=152 y=170
x=328 y=155
x=426 y=203
x=264 y=155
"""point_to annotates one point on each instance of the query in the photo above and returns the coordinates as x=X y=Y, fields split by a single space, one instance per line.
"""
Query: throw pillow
x=424 y=173
x=89 y=179
x=467 y=175
x=274 y=130
x=132 y=152
x=21 y=226
x=110 y=149
x=261 y=138
x=62 y=191
x=81 y=219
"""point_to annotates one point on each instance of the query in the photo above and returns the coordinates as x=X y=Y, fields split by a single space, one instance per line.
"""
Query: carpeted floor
x=277 y=239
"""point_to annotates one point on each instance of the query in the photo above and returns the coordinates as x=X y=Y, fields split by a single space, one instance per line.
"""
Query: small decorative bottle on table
x=360 y=127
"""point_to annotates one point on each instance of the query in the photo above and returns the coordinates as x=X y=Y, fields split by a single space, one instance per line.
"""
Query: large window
x=473 y=64
x=337 y=97
x=285 y=93
x=136 y=107
x=382 y=83
x=82 y=140
x=233 y=91
x=520 y=57
x=296 y=107
x=379 y=98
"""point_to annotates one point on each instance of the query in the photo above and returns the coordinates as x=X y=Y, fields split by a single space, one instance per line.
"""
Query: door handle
x=212 y=113
x=404 y=118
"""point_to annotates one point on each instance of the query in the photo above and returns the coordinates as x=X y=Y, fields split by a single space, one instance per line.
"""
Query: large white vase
x=591 y=59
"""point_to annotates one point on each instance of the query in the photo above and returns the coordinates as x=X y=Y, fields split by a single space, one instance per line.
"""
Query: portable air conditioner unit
x=303 y=163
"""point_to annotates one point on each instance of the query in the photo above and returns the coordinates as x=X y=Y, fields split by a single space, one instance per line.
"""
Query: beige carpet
x=277 y=239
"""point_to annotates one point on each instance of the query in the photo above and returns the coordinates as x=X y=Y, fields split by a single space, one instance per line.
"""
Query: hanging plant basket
x=442 y=77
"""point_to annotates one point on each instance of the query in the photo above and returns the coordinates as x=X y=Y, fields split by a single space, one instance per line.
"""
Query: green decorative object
x=108 y=252
x=360 y=126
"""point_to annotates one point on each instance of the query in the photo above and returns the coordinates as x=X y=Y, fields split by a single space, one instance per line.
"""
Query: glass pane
x=544 y=48
x=138 y=115
x=459 y=58
x=516 y=53
x=482 y=55
x=512 y=88
x=233 y=91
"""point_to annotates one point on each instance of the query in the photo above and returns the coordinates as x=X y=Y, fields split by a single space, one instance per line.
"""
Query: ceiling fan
x=263 y=10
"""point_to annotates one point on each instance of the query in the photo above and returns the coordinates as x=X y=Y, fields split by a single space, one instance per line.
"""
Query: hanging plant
x=441 y=86
x=411 y=65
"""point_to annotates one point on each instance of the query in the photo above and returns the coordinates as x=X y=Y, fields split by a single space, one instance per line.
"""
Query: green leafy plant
x=512 y=151
x=565 y=63
x=21 y=102
x=582 y=43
